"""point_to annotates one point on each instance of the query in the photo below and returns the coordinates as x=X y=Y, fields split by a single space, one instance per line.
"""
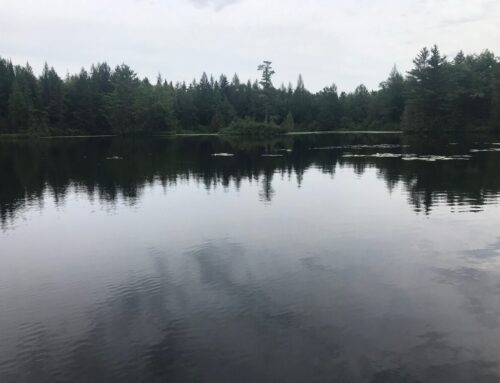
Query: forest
x=439 y=94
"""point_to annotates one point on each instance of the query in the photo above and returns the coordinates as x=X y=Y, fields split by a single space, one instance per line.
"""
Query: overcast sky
x=327 y=41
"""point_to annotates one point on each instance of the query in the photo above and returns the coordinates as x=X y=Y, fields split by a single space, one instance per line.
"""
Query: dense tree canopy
x=437 y=94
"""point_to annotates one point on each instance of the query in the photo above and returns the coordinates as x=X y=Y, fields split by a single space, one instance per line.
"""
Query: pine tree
x=100 y=91
x=301 y=103
x=495 y=100
x=429 y=93
x=19 y=109
x=204 y=100
x=121 y=101
x=328 y=108
x=267 y=86
x=7 y=77
x=51 y=96
x=392 y=100
x=436 y=95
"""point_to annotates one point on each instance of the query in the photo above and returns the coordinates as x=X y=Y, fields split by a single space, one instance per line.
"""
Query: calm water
x=335 y=259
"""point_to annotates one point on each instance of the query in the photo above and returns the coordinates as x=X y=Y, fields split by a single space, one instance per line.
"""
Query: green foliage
x=495 y=100
x=436 y=95
x=217 y=123
x=288 y=124
x=444 y=96
x=123 y=104
x=267 y=86
x=7 y=77
x=429 y=92
x=19 y=109
x=249 y=127
x=302 y=105
x=329 y=111
x=267 y=74
x=391 y=98
x=51 y=96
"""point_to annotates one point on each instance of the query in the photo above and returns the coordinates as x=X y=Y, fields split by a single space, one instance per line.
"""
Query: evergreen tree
x=78 y=111
x=51 y=96
x=19 y=109
x=301 y=104
x=436 y=95
x=267 y=86
x=204 y=100
x=100 y=89
x=122 y=101
x=495 y=100
x=392 y=100
x=429 y=93
x=328 y=108
x=184 y=107
x=7 y=78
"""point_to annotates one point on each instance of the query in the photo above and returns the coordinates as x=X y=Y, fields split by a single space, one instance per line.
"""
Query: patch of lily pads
x=485 y=150
x=410 y=157
x=355 y=147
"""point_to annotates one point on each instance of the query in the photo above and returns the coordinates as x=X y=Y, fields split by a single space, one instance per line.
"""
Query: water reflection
x=152 y=260
x=110 y=168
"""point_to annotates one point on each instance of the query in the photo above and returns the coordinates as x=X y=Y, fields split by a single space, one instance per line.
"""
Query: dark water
x=339 y=261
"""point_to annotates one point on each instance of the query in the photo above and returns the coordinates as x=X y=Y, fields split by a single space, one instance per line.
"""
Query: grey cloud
x=325 y=40
x=482 y=11
x=459 y=21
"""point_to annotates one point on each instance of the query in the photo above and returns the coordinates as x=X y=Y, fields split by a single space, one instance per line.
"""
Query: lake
x=322 y=258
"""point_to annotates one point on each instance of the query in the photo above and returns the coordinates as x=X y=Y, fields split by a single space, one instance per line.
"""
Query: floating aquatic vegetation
x=376 y=155
x=375 y=146
x=409 y=157
x=485 y=150
x=222 y=155
x=433 y=158
x=378 y=146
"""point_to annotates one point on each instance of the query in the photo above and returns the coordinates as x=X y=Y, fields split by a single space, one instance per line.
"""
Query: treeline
x=438 y=94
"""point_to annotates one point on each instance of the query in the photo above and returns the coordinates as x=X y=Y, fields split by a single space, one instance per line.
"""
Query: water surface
x=352 y=258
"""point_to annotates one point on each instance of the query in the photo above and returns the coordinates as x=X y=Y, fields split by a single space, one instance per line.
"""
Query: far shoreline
x=7 y=136
x=303 y=133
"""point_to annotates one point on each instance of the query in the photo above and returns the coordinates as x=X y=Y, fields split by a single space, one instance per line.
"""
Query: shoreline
x=304 y=133
x=14 y=136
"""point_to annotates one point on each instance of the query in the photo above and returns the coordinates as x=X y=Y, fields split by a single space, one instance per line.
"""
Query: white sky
x=328 y=41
